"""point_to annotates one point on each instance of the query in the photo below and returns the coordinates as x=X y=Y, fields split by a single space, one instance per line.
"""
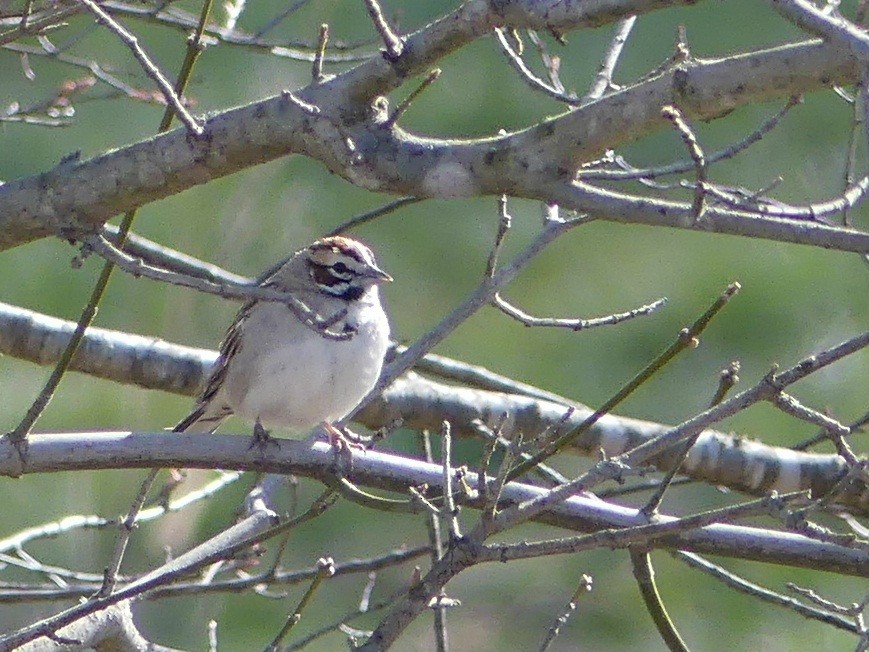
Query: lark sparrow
x=279 y=372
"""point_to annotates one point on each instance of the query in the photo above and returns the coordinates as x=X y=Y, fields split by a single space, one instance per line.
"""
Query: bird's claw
x=261 y=438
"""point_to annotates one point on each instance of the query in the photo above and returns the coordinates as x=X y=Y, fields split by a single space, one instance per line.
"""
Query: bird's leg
x=343 y=437
x=261 y=437
x=340 y=444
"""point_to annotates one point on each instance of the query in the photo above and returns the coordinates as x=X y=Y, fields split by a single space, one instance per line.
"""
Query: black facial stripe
x=352 y=293
x=344 y=290
x=327 y=276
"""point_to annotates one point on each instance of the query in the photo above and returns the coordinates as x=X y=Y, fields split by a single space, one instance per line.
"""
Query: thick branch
x=329 y=123
x=717 y=457
x=80 y=451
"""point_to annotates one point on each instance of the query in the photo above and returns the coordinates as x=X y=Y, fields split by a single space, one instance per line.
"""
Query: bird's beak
x=377 y=275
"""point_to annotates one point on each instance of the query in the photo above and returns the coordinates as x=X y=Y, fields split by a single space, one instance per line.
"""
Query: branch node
x=394 y=44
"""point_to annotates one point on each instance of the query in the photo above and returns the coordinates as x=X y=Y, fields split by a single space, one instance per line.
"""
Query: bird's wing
x=211 y=409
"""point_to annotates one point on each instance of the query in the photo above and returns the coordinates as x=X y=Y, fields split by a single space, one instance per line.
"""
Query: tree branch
x=80 y=196
x=718 y=458
x=79 y=451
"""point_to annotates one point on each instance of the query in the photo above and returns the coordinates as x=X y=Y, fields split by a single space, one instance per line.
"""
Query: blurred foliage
x=795 y=301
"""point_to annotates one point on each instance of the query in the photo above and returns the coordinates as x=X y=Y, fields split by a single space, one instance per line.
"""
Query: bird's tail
x=204 y=419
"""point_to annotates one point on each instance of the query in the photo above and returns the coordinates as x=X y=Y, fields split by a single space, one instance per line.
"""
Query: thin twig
x=325 y=569
x=19 y=435
x=576 y=323
x=857 y=113
x=166 y=258
x=552 y=64
x=790 y=405
x=451 y=511
x=815 y=212
x=504 y=225
x=735 y=582
x=495 y=438
x=126 y=531
x=433 y=526
x=393 y=43
x=603 y=79
x=404 y=105
x=505 y=221
x=855 y=426
x=644 y=573
x=371 y=215
x=674 y=115
x=276 y=20
x=39 y=25
x=687 y=338
x=265 y=292
x=727 y=379
x=584 y=586
x=322 y=40
x=528 y=76
x=478 y=298
x=132 y=42
x=680 y=167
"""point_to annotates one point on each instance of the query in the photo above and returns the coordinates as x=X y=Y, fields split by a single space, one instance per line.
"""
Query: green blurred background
x=795 y=301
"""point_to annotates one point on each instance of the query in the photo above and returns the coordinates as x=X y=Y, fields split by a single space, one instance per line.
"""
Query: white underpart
x=285 y=381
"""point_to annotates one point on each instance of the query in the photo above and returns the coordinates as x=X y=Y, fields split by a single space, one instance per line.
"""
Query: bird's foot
x=343 y=441
x=345 y=438
x=261 y=438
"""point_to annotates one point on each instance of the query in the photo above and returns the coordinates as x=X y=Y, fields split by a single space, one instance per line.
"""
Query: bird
x=278 y=371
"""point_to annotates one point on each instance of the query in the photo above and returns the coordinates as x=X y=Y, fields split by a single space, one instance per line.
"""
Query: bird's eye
x=341 y=268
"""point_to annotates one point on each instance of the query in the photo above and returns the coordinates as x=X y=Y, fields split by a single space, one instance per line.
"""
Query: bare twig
x=575 y=324
x=404 y=105
x=126 y=531
x=551 y=63
x=394 y=46
x=160 y=256
x=584 y=586
x=451 y=511
x=325 y=569
x=173 y=16
x=478 y=298
x=854 y=426
x=852 y=197
x=34 y=25
x=735 y=582
x=504 y=224
x=684 y=166
x=322 y=40
x=172 y=98
x=433 y=525
x=528 y=76
x=234 y=538
x=371 y=215
x=687 y=338
x=603 y=79
x=831 y=27
x=138 y=267
x=644 y=573
x=674 y=115
x=727 y=379
x=19 y=435
x=790 y=405
x=291 y=8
